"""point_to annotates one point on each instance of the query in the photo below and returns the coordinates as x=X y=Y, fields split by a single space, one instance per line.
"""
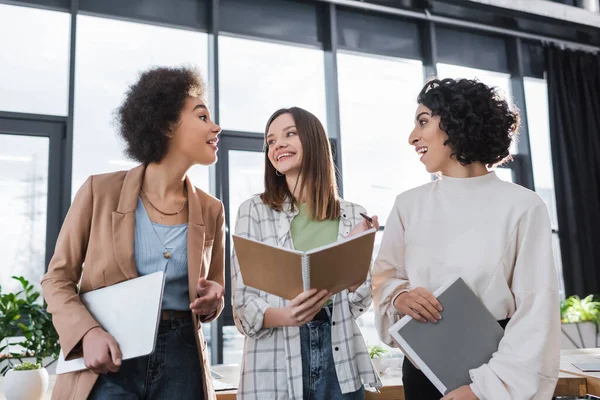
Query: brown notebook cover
x=286 y=272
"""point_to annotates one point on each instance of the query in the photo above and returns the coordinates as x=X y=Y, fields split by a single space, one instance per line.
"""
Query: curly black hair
x=478 y=120
x=152 y=105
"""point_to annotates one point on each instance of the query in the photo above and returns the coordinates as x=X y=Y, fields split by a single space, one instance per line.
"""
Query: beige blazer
x=99 y=231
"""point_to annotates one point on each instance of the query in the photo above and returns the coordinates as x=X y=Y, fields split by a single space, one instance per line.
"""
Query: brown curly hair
x=152 y=105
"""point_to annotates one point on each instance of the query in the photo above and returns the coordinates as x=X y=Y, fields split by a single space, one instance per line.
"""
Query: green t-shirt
x=308 y=234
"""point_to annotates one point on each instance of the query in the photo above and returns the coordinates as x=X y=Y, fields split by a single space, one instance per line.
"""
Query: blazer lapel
x=123 y=221
x=195 y=240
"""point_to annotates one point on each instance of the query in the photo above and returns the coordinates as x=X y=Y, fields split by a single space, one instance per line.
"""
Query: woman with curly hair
x=131 y=223
x=470 y=224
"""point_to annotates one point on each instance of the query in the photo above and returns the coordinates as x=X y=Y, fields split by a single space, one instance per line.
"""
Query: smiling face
x=428 y=140
x=284 y=146
x=195 y=136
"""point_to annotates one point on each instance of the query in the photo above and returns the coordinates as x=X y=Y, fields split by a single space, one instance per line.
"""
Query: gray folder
x=465 y=338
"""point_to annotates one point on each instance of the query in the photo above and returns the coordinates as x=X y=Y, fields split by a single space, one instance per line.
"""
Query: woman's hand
x=304 y=307
x=101 y=353
x=365 y=225
x=210 y=294
x=419 y=304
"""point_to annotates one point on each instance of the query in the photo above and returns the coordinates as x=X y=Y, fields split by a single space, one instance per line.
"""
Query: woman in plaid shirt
x=310 y=347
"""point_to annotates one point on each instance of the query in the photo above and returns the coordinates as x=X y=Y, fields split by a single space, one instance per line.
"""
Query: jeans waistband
x=323 y=314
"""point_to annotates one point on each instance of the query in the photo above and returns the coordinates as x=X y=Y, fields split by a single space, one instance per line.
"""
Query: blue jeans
x=172 y=371
x=319 y=379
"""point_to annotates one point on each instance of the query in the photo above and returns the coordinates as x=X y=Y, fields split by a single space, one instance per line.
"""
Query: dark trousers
x=172 y=371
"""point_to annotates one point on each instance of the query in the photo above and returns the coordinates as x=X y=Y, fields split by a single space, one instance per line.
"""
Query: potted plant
x=27 y=330
x=375 y=353
x=26 y=381
x=580 y=322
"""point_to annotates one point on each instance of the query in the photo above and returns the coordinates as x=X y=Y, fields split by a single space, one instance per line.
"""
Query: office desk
x=568 y=357
x=571 y=381
x=568 y=384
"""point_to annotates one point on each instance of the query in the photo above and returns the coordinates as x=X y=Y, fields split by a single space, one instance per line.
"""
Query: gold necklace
x=163 y=214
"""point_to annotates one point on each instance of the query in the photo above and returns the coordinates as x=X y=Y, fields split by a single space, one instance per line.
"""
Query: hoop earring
x=278 y=173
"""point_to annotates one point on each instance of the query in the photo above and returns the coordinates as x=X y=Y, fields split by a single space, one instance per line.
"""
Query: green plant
x=377 y=351
x=574 y=309
x=22 y=314
x=27 y=366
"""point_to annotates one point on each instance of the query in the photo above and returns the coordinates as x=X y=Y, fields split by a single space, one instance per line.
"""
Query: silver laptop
x=129 y=311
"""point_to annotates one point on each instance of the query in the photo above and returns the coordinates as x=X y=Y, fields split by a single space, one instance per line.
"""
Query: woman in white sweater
x=493 y=234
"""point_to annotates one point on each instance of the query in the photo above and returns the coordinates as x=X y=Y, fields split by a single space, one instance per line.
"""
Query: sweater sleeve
x=389 y=275
x=526 y=364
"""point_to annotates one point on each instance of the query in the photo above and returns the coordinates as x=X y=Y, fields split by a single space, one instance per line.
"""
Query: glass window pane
x=246 y=178
x=490 y=78
x=285 y=20
x=536 y=99
x=34 y=72
x=233 y=345
x=191 y=13
x=367 y=321
x=257 y=78
x=376 y=119
x=456 y=46
x=558 y=263
x=106 y=65
x=378 y=34
x=23 y=191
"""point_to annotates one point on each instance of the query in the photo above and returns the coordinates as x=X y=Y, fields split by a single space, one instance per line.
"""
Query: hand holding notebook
x=465 y=338
x=287 y=272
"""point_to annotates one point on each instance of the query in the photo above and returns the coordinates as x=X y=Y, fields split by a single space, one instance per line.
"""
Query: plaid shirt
x=272 y=363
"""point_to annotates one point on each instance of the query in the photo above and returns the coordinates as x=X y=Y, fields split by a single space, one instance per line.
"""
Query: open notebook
x=465 y=338
x=287 y=272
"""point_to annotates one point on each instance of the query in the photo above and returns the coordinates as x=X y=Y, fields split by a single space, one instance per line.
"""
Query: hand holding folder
x=287 y=272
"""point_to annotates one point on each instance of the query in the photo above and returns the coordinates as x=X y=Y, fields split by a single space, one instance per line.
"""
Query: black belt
x=322 y=314
x=167 y=315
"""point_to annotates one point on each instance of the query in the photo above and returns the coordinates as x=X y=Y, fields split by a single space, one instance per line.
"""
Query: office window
x=536 y=98
x=378 y=100
x=106 y=65
x=284 y=20
x=24 y=198
x=257 y=78
x=34 y=72
x=475 y=50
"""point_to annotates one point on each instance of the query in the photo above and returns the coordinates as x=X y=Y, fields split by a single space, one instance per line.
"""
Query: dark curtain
x=574 y=105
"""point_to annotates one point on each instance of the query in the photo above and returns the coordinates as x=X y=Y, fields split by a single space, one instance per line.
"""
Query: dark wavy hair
x=152 y=105
x=478 y=120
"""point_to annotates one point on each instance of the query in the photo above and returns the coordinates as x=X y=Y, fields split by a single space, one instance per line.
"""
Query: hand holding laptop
x=101 y=352
x=209 y=297
x=420 y=304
